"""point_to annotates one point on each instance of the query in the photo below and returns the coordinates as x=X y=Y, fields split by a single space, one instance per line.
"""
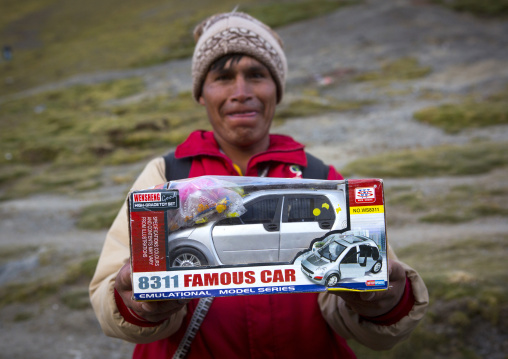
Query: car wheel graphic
x=187 y=257
x=332 y=280
x=377 y=267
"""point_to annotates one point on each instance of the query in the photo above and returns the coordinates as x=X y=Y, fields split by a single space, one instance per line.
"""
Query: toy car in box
x=341 y=256
x=220 y=236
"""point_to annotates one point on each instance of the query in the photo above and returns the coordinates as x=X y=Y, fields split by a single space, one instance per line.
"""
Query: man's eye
x=222 y=77
x=258 y=75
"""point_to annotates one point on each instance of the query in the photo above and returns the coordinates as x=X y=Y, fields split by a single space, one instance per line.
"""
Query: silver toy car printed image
x=338 y=256
x=278 y=224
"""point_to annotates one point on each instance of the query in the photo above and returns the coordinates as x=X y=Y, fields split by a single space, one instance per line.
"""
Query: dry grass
x=313 y=105
x=77 y=273
x=455 y=205
x=98 y=215
x=59 y=140
x=465 y=278
x=446 y=160
x=470 y=113
x=491 y=8
x=406 y=68
x=53 y=40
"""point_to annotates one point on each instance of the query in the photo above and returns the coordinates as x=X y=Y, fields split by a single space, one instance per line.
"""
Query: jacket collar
x=282 y=149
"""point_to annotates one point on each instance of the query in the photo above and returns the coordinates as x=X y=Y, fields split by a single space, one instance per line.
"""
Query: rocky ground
x=467 y=55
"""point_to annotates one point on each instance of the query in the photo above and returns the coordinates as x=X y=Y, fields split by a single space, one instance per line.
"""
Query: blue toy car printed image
x=338 y=256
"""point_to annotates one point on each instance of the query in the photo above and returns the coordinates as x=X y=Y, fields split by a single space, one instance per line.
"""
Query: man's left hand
x=373 y=304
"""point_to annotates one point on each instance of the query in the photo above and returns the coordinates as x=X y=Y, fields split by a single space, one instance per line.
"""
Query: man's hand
x=155 y=311
x=373 y=304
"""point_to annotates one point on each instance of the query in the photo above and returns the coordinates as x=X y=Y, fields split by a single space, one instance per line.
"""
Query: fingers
x=396 y=272
x=368 y=296
x=159 y=310
x=373 y=304
x=155 y=311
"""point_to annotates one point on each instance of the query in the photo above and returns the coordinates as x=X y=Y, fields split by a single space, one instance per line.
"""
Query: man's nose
x=241 y=90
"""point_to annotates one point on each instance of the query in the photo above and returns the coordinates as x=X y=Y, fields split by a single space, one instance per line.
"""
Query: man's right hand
x=155 y=311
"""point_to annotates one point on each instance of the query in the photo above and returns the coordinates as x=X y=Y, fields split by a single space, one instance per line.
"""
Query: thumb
x=123 y=279
x=372 y=295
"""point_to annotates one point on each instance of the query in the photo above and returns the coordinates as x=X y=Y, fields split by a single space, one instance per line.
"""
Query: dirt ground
x=467 y=55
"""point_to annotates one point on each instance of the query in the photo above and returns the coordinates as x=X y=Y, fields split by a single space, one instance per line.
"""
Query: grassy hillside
x=468 y=302
x=63 y=140
x=45 y=138
x=54 y=39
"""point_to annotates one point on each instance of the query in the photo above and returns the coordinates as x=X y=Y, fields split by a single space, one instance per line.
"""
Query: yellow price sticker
x=366 y=209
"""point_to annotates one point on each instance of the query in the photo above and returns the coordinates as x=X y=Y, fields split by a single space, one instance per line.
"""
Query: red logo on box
x=365 y=195
x=147 y=197
x=370 y=282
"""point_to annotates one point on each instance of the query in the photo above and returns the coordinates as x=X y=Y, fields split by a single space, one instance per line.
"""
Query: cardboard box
x=222 y=236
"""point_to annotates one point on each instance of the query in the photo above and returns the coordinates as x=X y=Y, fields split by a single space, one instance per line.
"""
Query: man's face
x=240 y=101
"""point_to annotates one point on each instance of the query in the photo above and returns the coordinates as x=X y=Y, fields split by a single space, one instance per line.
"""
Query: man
x=239 y=71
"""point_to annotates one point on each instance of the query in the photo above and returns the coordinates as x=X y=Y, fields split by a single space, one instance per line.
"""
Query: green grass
x=454 y=118
x=15 y=252
x=455 y=214
x=76 y=299
x=466 y=268
x=492 y=8
x=406 y=68
x=455 y=205
x=79 y=273
x=23 y=316
x=408 y=199
x=98 y=215
x=276 y=14
x=310 y=106
x=466 y=281
x=446 y=160
x=50 y=178
x=58 y=140
x=53 y=40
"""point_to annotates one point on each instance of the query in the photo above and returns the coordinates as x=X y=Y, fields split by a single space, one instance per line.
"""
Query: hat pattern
x=234 y=38
x=237 y=33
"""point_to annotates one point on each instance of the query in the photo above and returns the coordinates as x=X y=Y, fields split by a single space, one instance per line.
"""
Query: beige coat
x=339 y=316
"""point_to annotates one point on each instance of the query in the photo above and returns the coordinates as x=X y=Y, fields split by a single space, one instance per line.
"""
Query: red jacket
x=258 y=326
x=280 y=158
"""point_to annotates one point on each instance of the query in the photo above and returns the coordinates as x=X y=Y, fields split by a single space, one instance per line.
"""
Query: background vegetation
x=470 y=113
x=54 y=39
x=61 y=141
x=468 y=298
x=481 y=8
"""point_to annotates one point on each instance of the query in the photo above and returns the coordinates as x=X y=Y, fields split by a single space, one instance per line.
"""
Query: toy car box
x=216 y=236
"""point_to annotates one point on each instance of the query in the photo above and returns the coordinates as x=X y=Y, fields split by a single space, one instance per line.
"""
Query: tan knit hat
x=232 y=33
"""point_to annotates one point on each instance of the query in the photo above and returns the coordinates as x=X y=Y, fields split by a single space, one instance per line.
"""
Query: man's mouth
x=247 y=113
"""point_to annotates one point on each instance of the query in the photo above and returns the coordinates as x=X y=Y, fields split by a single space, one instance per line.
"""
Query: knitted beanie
x=237 y=33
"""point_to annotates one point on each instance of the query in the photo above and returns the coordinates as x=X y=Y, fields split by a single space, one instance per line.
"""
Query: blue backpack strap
x=177 y=168
x=316 y=169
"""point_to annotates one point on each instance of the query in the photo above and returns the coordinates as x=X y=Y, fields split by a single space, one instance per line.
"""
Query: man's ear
x=201 y=100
